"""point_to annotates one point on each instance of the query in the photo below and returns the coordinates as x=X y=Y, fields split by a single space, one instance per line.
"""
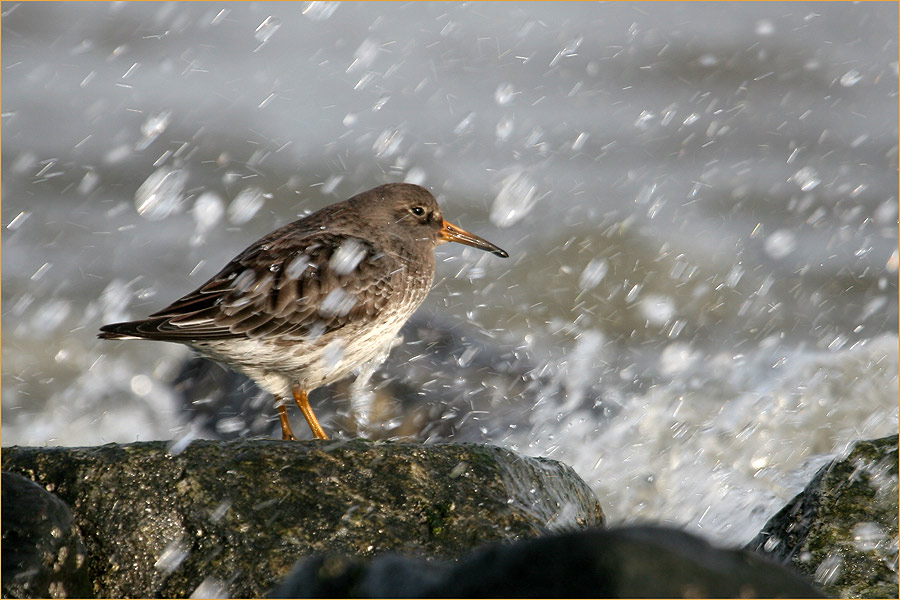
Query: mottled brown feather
x=279 y=306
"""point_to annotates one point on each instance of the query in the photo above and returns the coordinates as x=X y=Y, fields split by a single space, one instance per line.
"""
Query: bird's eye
x=418 y=211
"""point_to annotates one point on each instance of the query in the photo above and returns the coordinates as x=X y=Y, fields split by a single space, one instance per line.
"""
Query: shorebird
x=310 y=302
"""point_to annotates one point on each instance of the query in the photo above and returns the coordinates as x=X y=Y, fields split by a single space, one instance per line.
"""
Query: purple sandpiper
x=307 y=304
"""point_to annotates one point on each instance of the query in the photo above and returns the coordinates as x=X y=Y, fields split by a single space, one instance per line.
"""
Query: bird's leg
x=303 y=402
x=286 y=433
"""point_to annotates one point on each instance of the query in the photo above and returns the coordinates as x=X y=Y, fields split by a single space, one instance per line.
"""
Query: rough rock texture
x=43 y=556
x=235 y=516
x=631 y=562
x=842 y=529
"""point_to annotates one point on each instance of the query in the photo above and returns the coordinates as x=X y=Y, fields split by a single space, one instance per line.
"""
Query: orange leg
x=286 y=433
x=302 y=401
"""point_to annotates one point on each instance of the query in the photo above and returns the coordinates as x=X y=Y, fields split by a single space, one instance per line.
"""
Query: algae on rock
x=239 y=514
x=842 y=529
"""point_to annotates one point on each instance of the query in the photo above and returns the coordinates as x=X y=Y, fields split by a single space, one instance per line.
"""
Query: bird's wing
x=285 y=288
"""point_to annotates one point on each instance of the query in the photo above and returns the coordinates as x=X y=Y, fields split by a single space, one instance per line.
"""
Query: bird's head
x=412 y=212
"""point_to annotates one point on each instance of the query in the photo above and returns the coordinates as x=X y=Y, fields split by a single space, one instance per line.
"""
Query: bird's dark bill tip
x=452 y=233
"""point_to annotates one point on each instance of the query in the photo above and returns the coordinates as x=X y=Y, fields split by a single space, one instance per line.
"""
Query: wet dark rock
x=842 y=529
x=43 y=555
x=446 y=381
x=235 y=516
x=629 y=562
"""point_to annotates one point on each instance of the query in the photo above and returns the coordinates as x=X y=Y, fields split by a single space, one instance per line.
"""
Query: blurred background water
x=700 y=202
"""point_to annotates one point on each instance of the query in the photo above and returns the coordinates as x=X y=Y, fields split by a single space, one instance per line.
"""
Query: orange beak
x=452 y=233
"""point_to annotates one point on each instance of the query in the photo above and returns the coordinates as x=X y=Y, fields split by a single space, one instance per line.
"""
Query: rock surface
x=842 y=529
x=235 y=516
x=43 y=555
x=631 y=562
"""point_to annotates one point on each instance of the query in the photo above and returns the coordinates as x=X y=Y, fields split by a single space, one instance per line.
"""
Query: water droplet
x=364 y=55
x=850 y=78
x=23 y=163
x=114 y=300
x=505 y=127
x=267 y=29
x=458 y=470
x=668 y=114
x=867 y=536
x=231 y=425
x=18 y=220
x=244 y=280
x=338 y=303
x=347 y=257
x=245 y=205
x=50 y=315
x=220 y=511
x=572 y=46
x=88 y=183
x=765 y=27
x=759 y=461
x=331 y=184
x=382 y=100
x=829 y=569
x=812 y=64
x=296 y=267
x=593 y=274
x=517 y=196
x=220 y=16
x=42 y=270
x=388 y=143
x=212 y=587
x=657 y=309
x=579 y=142
x=873 y=306
x=141 y=385
x=633 y=292
x=333 y=354
x=351 y=119
x=172 y=556
x=153 y=127
x=161 y=194
x=780 y=244
x=734 y=276
x=117 y=154
x=645 y=194
x=644 y=119
x=837 y=343
x=859 y=140
x=504 y=94
x=807 y=178
x=677 y=357
x=475 y=272
x=208 y=210
x=466 y=358
x=415 y=175
x=708 y=60
x=886 y=213
x=320 y=11
x=568 y=50
x=131 y=70
x=893 y=262
x=465 y=125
